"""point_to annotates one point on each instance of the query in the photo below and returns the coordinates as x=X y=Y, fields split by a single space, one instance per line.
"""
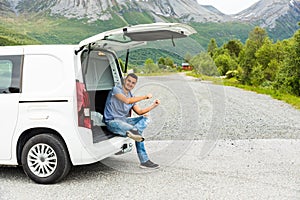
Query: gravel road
x=213 y=142
x=201 y=109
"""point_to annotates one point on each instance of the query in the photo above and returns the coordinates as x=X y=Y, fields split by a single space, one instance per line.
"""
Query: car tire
x=45 y=159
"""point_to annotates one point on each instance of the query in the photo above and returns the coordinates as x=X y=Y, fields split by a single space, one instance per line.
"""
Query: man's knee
x=146 y=119
x=118 y=127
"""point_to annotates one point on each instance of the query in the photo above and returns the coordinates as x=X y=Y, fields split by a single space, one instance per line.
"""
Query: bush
x=232 y=74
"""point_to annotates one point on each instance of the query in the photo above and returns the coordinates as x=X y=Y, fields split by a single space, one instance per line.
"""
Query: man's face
x=129 y=83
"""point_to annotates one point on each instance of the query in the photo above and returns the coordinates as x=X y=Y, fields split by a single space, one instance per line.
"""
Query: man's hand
x=149 y=96
x=156 y=102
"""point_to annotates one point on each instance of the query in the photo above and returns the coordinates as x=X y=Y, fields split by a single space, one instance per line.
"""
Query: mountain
x=280 y=17
x=5 y=9
x=69 y=21
x=214 y=10
x=185 y=10
x=267 y=12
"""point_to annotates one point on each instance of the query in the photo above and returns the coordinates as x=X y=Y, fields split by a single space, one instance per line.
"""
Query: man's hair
x=132 y=75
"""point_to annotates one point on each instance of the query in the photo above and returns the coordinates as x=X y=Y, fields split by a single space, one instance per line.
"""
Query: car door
x=132 y=36
x=10 y=77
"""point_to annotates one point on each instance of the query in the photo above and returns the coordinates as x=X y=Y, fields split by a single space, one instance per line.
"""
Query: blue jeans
x=120 y=127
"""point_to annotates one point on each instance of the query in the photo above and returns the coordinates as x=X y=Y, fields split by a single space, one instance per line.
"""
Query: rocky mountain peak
x=267 y=12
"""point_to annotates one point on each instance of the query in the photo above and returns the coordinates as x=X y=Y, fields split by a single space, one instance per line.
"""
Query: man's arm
x=132 y=100
x=140 y=111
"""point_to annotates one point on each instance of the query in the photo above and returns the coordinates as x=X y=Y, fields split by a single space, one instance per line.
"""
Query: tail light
x=83 y=106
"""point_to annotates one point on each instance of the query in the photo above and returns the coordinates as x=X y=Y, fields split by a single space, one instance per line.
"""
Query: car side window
x=10 y=76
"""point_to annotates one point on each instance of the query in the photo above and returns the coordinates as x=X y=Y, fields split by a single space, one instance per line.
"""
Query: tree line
x=259 y=62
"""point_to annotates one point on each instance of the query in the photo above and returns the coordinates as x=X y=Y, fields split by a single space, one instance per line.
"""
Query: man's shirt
x=114 y=108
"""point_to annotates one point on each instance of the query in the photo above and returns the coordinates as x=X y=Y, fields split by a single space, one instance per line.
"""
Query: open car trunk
x=101 y=70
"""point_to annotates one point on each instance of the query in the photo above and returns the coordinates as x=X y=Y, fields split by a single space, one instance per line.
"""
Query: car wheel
x=45 y=159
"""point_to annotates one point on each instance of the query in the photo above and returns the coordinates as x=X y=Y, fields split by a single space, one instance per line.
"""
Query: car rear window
x=10 y=67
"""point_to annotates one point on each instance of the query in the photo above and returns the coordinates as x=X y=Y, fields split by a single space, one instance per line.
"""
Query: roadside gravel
x=193 y=109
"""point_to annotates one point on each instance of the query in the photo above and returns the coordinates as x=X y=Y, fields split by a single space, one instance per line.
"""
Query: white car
x=53 y=96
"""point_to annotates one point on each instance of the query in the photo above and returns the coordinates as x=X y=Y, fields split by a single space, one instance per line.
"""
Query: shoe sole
x=137 y=138
x=144 y=167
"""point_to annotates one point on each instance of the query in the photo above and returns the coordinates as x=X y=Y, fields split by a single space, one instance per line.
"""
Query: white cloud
x=229 y=6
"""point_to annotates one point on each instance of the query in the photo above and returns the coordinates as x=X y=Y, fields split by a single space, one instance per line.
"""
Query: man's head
x=130 y=81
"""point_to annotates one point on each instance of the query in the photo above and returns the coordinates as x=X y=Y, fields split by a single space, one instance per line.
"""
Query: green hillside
x=55 y=30
x=222 y=32
x=10 y=37
x=45 y=29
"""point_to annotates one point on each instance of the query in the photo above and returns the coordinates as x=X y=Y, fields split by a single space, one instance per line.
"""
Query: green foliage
x=247 y=55
x=150 y=66
x=234 y=47
x=57 y=30
x=222 y=32
x=212 y=46
x=8 y=38
x=288 y=98
x=161 y=61
x=163 y=65
x=188 y=56
x=135 y=17
x=138 y=56
x=257 y=75
x=169 y=62
x=232 y=74
x=269 y=57
x=204 y=64
x=224 y=63
x=261 y=63
x=288 y=77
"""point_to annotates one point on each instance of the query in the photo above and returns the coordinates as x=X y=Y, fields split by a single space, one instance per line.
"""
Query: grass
x=135 y=17
x=288 y=98
x=56 y=30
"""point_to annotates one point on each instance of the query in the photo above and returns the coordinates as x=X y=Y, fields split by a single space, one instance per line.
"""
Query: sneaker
x=149 y=165
x=133 y=134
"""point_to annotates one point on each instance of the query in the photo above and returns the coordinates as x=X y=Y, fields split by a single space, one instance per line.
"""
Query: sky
x=229 y=6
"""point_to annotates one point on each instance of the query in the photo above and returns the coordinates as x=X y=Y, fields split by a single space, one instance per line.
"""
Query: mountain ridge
x=264 y=12
x=186 y=10
x=279 y=17
x=267 y=11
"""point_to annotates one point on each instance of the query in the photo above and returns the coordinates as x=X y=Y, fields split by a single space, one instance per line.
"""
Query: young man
x=118 y=105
